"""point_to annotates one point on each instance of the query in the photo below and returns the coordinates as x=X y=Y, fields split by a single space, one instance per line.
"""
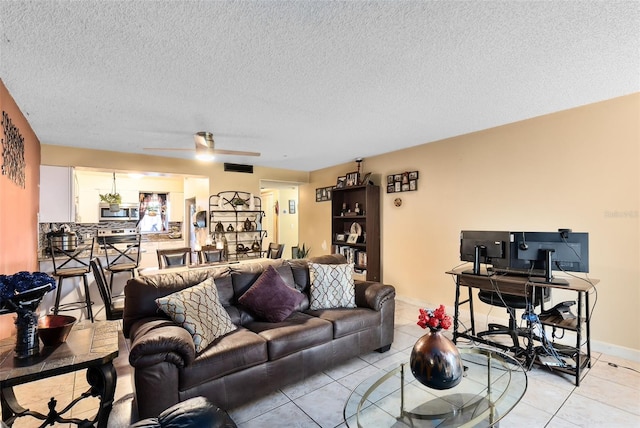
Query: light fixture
x=204 y=146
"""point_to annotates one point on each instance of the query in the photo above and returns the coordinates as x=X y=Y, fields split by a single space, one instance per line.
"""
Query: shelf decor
x=235 y=219
x=402 y=182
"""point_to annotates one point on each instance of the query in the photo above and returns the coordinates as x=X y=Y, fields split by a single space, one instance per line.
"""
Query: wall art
x=13 y=163
x=403 y=182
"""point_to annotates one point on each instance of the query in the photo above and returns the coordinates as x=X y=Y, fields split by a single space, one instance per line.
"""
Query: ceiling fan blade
x=167 y=149
x=234 y=152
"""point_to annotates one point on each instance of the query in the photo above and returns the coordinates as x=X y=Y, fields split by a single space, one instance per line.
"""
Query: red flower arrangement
x=434 y=319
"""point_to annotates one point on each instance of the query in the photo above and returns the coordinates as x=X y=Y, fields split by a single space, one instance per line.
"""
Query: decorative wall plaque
x=13 y=163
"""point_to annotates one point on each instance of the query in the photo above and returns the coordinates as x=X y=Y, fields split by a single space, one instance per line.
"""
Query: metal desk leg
x=456 y=311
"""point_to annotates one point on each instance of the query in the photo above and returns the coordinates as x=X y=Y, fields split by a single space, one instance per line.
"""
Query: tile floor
x=608 y=396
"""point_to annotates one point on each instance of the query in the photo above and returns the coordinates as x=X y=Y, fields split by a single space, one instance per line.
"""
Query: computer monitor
x=484 y=247
x=540 y=253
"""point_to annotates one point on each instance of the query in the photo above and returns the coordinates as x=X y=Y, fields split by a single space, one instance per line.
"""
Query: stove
x=117 y=232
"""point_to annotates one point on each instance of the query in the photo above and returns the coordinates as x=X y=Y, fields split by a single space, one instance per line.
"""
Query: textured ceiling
x=308 y=84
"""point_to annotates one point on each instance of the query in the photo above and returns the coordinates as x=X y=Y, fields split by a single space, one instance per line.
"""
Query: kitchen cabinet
x=57 y=196
x=176 y=206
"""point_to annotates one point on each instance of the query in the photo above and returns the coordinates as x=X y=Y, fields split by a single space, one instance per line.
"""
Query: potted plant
x=302 y=252
x=113 y=199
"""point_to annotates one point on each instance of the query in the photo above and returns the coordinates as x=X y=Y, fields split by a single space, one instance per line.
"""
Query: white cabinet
x=176 y=210
x=57 y=198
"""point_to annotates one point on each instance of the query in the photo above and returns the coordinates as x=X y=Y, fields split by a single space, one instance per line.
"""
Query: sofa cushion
x=198 y=310
x=231 y=353
x=270 y=298
x=331 y=286
x=244 y=276
x=348 y=321
x=298 y=332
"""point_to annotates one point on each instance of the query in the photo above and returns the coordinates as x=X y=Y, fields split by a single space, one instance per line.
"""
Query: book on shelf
x=353 y=255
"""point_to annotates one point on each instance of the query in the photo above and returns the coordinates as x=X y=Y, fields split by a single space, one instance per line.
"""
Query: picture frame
x=353 y=179
x=340 y=237
x=292 y=206
x=352 y=239
x=365 y=179
x=323 y=193
x=341 y=183
x=406 y=181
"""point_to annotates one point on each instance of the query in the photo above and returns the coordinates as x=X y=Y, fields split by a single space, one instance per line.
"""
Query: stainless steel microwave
x=127 y=212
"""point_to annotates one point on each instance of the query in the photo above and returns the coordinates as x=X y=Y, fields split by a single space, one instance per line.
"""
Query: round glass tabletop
x=493 y=384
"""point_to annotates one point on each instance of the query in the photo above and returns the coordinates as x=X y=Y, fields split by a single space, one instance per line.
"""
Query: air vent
x=237 y=167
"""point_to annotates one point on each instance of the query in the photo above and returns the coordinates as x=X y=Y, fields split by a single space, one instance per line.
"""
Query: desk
x=492 y=385
x=522 y=286
x=91 y=346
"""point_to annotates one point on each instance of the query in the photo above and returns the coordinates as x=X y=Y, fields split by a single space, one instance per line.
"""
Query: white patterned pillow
x=331 y=286
x=198 y=310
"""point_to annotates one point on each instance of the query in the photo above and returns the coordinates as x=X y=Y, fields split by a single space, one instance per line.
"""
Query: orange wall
x=19 y=206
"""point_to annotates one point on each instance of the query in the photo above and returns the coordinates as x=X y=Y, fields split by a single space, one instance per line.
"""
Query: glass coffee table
x=493 y=384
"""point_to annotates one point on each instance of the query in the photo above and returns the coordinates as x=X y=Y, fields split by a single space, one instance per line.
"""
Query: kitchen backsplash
x=90 y=229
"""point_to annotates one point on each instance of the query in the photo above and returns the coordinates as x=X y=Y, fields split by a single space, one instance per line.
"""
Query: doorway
x=280 y=204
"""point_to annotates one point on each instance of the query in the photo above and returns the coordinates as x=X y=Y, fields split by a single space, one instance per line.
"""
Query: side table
x=91 y=346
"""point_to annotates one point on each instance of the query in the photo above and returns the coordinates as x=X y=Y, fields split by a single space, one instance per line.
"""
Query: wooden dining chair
x=174 y=257
x=210 y=254
x=275 y=251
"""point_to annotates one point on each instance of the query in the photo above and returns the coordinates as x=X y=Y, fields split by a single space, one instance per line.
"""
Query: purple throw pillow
x=270 y=298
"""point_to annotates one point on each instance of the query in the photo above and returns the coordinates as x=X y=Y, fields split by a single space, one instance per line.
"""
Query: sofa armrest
x=156 y=340
x=370 y=294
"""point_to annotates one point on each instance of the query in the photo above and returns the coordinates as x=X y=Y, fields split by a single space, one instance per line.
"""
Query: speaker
x=237 y=167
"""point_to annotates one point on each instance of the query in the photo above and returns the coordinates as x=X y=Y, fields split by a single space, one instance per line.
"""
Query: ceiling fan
x=205 y=147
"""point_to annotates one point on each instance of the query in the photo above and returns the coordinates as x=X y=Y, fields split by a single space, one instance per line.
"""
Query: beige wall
x=18 y=205
x=575 y=169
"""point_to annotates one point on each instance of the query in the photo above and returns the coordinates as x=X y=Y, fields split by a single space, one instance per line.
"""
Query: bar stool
x=72 y=264
x=121 y=259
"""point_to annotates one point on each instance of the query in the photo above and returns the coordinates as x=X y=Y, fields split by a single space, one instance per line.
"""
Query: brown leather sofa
x=257 y=358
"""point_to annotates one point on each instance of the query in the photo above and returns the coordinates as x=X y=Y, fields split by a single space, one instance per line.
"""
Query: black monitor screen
x=566 y=251
x=492 y=247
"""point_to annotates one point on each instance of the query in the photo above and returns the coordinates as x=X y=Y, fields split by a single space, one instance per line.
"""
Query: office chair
x=512 y=303
x=275 y=251
x=174 y=257
x=113 y=308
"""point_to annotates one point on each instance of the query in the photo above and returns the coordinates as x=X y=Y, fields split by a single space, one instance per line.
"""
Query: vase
x=27 y=344
x=435 y=361
x=25 y=305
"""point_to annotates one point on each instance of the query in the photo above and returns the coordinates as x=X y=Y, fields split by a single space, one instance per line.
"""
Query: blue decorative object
x=21 y=293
